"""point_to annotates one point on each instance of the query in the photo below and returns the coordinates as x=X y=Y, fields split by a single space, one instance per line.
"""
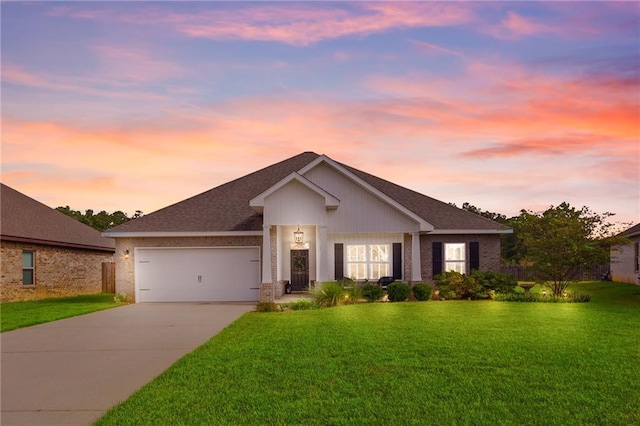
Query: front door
x=299 y=270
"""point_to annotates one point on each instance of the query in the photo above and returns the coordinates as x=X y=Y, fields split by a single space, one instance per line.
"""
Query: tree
x=511 y=250
x=101 y=221
x=562 y=240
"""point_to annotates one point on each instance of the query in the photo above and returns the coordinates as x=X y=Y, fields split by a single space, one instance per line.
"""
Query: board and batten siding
x=294 y=204
x=359 y=210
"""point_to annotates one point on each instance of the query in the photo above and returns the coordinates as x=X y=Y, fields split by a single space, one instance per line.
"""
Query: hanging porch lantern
x=298 y=236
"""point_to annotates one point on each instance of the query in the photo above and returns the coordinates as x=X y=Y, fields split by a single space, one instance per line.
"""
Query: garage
x=225 y=274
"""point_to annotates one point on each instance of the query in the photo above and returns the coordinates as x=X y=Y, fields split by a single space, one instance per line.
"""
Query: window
x=368 y=261
x=454 y=257
x=357 y=262
x=636 y=257
x=28 y=270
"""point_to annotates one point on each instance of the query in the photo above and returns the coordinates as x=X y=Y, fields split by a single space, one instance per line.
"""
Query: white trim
x=183 y=234
x=330 y=201
x=424 y=225
x=469 y=231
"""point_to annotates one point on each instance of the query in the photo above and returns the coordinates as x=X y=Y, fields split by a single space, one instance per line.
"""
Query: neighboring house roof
x=27 y=220
x=227 y=207
x=631 y=232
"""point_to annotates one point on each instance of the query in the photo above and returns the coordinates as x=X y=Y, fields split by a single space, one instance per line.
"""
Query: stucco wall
x=489 y=251
x=623 y=269
x=59 y=271
x=125 y=273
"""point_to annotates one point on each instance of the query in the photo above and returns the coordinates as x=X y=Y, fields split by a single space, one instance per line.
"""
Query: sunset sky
x=138 y=105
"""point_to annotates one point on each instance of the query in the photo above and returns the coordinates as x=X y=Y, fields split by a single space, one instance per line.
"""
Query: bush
x=537 y=297
x=352 y=294
x=454 y=285
x=477 y=285
x=494 y=281
x=329 y=294
x=398 y=292
x=267 y=307
x=372 y=292
x=422 y=291
x=299 y=305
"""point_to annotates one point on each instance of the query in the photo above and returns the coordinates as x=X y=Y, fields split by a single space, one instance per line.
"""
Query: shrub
x=422 y=291
x=352 y=294
x=372 y=292
x=329 y=294
x=537 y=297
x=299 y=305
x=454 y=285
x=398 y=292
x=267 y=307
x=494 y=281
x=477 y=285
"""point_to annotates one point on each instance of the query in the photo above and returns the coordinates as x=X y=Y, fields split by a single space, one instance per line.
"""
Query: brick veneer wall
x=489 y=251
x=125 y=273
x=59 y=271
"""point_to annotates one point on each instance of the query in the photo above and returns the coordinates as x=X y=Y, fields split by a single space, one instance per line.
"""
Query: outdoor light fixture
x=126 y=254
x=298 y=236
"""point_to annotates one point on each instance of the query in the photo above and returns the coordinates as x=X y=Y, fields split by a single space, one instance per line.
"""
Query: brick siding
x=489 y=251
x=59 y=271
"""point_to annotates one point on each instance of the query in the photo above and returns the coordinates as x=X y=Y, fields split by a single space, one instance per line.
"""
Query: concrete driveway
x=69 y=372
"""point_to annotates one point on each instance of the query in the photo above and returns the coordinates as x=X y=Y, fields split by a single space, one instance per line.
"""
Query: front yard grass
x=15 y=315
x=453 y=362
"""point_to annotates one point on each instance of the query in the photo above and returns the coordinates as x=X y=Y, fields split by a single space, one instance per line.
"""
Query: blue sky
x=506 y=105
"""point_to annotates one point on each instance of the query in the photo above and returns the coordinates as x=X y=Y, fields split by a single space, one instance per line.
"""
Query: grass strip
x=14 y=315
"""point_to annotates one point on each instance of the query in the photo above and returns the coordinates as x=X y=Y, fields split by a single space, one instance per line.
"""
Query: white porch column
x=322 y=256
x=416 y=268
x=266 y=254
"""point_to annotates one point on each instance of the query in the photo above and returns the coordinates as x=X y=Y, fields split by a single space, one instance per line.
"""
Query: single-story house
x=45 y=253
x=625 y=259
x=304 y=220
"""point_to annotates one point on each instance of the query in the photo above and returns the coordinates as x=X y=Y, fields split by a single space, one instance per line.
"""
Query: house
x=45 y=253
x=304 y=220
x=625 y=259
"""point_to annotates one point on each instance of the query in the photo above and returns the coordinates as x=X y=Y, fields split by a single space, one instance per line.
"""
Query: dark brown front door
x=299 y=270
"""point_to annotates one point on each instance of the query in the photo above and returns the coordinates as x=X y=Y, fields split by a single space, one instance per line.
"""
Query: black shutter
x=397 y=261
x=338 y=250
x=436 y=258
x=474 y=256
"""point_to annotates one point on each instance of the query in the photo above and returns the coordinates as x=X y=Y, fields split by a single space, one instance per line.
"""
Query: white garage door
x=197 y=274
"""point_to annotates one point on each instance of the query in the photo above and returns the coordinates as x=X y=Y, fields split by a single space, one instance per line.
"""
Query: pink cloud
x=435 y=48
x=296 y=24
x=16 y=75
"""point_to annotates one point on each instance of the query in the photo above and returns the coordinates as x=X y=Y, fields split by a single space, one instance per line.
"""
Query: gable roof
x=226 y=208
x=631 y=232
x=26 y=220
x=330 y=201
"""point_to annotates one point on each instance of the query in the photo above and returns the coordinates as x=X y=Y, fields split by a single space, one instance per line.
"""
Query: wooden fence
x=522 y=273
x=109 y=277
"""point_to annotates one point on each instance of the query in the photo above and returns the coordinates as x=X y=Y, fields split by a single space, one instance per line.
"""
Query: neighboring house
x=46 y=253
x=304 y=220
x=625 y=260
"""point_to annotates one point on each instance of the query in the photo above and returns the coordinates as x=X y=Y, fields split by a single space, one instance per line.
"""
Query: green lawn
x=23 y=314
x=453 y=362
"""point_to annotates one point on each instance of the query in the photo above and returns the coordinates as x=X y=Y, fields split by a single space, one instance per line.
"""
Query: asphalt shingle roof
x=226 y=207
x=24 y=219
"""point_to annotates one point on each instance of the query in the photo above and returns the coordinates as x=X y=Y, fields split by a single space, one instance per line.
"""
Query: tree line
x=101 y=220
